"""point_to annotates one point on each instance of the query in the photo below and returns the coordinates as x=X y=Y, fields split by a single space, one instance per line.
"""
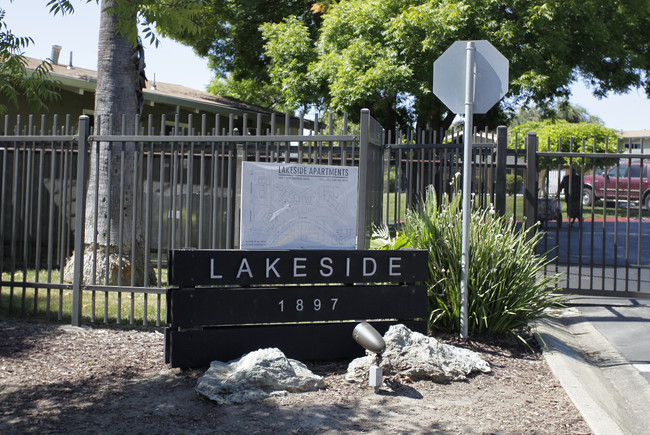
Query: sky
x=175 y=63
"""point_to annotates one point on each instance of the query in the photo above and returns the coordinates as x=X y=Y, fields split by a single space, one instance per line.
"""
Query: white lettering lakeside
x=278 y=267
x=393 y=268
x=297 y=266
x=328 y=266
x=271 y=267
x=244 y=267
x=366 y=272
x=212 y=274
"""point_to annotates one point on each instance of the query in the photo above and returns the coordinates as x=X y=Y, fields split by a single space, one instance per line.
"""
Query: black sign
x=304 y=341
x=229 y=306
x=227 y=317
x=189 y=268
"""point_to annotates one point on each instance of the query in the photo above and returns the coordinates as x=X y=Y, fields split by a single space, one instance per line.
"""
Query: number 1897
x=302 y=304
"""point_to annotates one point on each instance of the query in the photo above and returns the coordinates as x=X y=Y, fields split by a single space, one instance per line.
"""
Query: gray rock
x=254 y=376
x=413 y=355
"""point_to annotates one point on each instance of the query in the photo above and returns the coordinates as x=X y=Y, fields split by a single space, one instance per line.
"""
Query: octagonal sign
x=490 y=78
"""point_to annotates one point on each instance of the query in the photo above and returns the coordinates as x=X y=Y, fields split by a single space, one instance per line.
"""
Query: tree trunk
x=110 y=235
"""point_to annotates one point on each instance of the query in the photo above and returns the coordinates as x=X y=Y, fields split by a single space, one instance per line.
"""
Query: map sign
x=294 y=206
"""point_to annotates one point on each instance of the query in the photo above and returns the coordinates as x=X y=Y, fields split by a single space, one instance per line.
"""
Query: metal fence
x=606 y=252
x=184 y=195
x=417 y=160
x=36 y=212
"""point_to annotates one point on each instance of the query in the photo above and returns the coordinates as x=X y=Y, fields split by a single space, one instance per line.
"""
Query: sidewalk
x=599 y=350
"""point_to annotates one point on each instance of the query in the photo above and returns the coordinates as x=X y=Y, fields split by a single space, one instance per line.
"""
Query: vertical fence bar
x=592 y=223
x=216 y=217
x=147 y=225
x=27 y=196
x=240 y=159
x=161 y=203
x=94 y=157
x=363 y=175
x=39 y=216
x=109 y=149
x=569 y=231
x=134 y=224
x=287 y=132
x=14 y=221
x=77 y=280
x=3 y=184
x=580 y=223
x=530 y=196
x=190 y=188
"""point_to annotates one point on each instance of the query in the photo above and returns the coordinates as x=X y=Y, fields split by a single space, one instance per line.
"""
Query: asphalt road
x=599 y=255
x=608 y=243
x=625 y=323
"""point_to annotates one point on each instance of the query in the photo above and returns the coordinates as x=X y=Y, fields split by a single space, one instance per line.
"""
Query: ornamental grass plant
x=506 y=284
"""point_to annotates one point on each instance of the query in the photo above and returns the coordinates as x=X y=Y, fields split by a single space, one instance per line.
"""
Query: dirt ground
x=58 y=379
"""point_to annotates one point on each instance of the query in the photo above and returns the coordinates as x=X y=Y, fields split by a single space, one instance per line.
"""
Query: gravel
x=62 y=379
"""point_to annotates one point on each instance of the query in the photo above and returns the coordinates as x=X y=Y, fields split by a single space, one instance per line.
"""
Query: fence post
x=364 y=142
x=78 y=277
x=500 y=171
x=530 y=195
x=241 y=158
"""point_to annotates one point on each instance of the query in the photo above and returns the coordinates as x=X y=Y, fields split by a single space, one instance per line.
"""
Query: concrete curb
x=609 y=392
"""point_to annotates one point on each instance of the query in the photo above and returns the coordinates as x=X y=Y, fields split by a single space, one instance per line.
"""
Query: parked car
x=617 y=183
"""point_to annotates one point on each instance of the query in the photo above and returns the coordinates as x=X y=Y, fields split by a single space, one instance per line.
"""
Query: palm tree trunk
x=110 y=235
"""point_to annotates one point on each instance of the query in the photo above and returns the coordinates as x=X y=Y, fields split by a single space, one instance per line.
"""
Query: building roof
x=635 y=134
x=81 y=80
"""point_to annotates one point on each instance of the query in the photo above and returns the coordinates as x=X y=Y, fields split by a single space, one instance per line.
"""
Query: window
x=621 y=170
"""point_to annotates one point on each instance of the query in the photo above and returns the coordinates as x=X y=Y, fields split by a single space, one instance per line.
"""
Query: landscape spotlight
x=371 y=340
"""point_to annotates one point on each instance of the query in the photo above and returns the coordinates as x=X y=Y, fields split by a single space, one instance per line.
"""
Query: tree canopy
x=560 y=110
x=563 y=136
x=232 y=40
x=38 y=88
x=379 y=53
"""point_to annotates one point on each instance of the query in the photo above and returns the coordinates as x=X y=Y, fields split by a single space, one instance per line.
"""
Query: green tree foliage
x=514 y=183
x=563 y=136
x=175 y=16
x=562 y=110
x=379 y=53
x=231 y=38
x=37 y=86
x=560 y=135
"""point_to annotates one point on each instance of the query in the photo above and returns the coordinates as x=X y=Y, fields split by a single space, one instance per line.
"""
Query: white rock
x=416 y=356
x=254 y=376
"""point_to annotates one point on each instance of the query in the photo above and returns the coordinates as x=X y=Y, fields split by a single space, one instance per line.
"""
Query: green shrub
x=514 y=183
x=505 y=285
x=563 y=136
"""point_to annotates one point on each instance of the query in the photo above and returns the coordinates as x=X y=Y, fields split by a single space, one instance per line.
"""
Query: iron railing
x=183 y=195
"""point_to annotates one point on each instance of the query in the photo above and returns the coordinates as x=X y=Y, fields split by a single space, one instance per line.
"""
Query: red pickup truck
x=623 y=182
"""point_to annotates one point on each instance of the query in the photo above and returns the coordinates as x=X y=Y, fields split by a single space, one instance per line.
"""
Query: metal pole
x=500 y=170
x=78 y=277
x=363 y=240
x=467 y=182
x=531 y=184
